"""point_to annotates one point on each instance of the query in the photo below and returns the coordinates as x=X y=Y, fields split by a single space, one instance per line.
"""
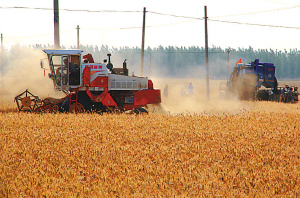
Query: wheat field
x=253 y=153
x=240 y=149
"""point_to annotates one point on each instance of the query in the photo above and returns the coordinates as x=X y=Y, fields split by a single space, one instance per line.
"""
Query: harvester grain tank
x=91 y=86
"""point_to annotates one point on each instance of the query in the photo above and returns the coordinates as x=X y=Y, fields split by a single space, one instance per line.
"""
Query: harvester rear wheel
x=55 y=108
x=76 y=108
x=139 y=111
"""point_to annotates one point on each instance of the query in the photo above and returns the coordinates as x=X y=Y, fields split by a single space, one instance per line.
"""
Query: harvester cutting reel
x=28 y=102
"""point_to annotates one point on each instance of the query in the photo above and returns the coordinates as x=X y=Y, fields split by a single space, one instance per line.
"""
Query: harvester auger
x=92 y=87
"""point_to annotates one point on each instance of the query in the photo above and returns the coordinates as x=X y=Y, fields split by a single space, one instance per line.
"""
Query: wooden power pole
x=77 y=36
x=143 y=42
x=206 y=56
x=228 y=65
x=2 y=57
x=56 y=25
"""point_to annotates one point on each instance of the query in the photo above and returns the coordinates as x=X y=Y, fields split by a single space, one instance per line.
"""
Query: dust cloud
x=176 y=103
x=197 y=103
x=23 y=71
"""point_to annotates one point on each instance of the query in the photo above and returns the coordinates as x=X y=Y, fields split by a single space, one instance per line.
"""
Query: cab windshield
x=65 y=69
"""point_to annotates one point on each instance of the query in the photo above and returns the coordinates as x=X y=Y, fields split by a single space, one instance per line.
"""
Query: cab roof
x=63 y=52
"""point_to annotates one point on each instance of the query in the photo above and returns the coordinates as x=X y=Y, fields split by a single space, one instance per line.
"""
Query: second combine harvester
x=91 y=86
x=257 y=81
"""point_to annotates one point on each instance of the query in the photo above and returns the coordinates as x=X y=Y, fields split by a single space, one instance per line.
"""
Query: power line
x=157 y=13
x=258 y=12
x=171 y=23
x=148 y=26
x=106 y=29
x=240 y=23
x=78 y=10
x=70 y=10
x=17 y=7
x=152 y=12
x=172 y=15
x=279 y=2
x=124 y=28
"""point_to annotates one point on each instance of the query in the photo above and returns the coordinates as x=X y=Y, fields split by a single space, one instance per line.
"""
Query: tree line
x=189 y=62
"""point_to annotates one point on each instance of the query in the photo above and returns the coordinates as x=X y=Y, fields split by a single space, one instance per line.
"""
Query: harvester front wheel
x=46 y=101
x=139 y=111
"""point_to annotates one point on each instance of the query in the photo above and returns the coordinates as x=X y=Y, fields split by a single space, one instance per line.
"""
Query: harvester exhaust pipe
x=109 y=55
x=125 y=70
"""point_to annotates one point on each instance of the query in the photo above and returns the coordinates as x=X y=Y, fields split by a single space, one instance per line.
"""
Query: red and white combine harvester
x=90 y=86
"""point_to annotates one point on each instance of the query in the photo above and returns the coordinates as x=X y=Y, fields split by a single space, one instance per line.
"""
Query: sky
x=168 y=23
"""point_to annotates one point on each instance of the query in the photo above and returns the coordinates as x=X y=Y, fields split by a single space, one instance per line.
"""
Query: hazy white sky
x=118 y=29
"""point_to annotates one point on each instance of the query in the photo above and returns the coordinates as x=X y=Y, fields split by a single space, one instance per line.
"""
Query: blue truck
x=257 y=81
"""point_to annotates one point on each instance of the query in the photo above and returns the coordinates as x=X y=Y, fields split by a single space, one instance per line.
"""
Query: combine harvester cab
x=95 y=87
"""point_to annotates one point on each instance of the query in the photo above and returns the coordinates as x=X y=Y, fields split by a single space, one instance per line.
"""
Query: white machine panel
x=120 y=82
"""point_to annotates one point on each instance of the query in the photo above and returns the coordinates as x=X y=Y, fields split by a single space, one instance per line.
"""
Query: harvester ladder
x=74 y=101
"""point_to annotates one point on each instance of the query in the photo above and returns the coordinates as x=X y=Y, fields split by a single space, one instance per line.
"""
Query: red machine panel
x=100 y=82
x=86 y=76
x=150 y=84
x=148 y=96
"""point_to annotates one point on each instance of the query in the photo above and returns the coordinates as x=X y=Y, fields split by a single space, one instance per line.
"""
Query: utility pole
x=206 y=56
x=2 y=57
x=143 y=42
x=150 y=65
x=77 y=36
x=227 y=65
x=56 y=24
